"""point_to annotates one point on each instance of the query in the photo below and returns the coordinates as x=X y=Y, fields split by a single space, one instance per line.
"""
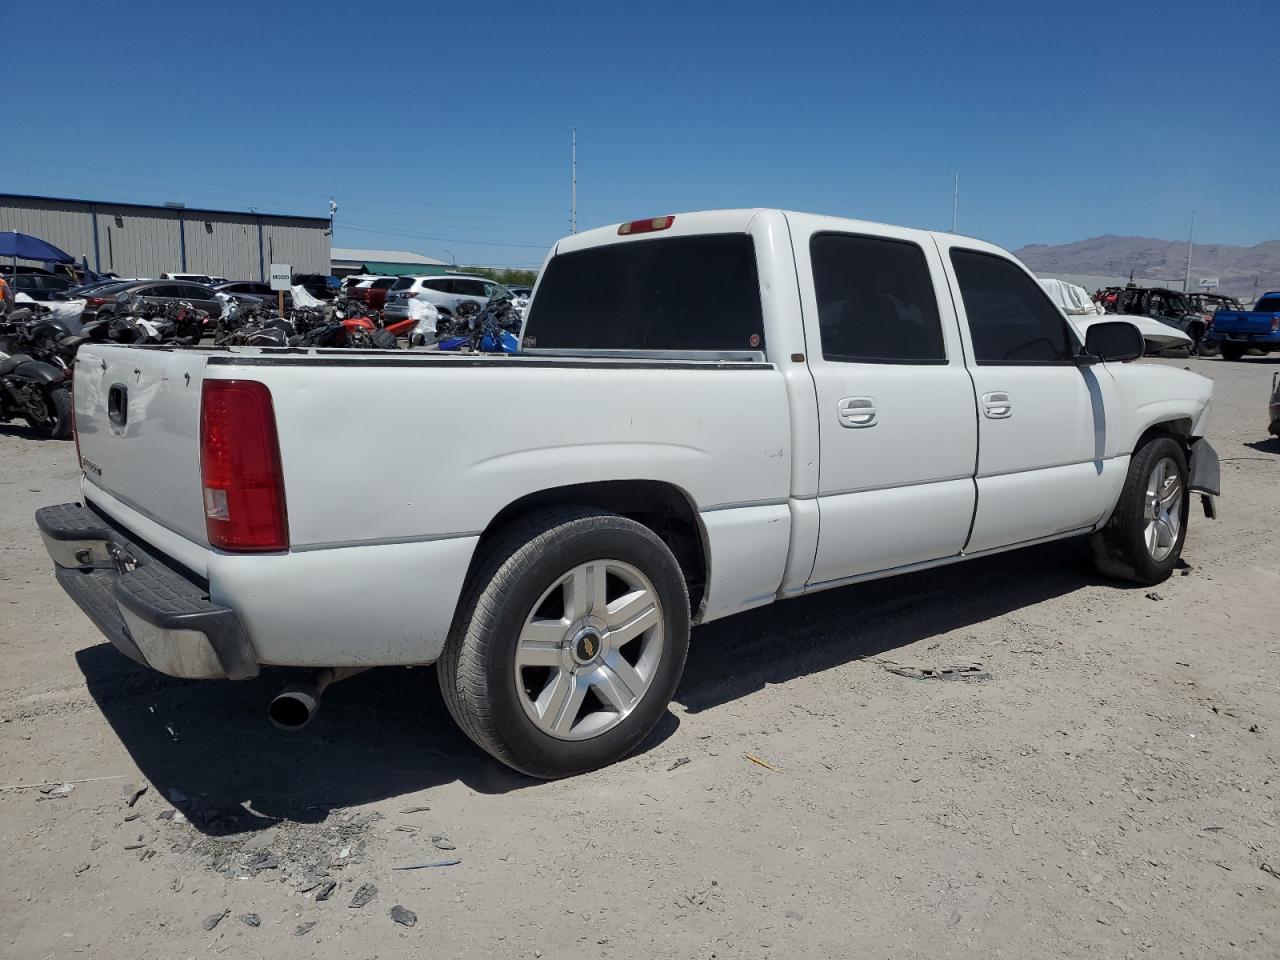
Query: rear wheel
x=569 y=642
x=1232 y=351
x=1143 y=539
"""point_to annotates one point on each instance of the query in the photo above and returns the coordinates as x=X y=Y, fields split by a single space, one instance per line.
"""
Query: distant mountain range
x=1237 y=267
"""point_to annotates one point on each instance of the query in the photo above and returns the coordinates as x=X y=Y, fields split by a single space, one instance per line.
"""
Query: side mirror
x=1114 y=341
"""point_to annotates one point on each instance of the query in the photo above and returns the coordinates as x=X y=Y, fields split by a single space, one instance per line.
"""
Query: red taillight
x=1275 y=324
x=243 y=482
x=645 y=226
x=95 y=301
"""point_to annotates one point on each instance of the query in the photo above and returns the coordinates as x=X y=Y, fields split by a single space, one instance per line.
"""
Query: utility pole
x=1186 y=284
x=573 y=179
x=955 y=203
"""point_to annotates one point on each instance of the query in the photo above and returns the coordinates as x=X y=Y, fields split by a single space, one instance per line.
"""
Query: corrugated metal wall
x=136 y=241
x=62 y=223
x=217 y=243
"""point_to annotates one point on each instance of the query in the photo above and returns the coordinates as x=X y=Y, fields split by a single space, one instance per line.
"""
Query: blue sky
x=445 y=127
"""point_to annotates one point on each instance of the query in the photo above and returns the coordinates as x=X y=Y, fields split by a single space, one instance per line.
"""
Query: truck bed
x=419 y=453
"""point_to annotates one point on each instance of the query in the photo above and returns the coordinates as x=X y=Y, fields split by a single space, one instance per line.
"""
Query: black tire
x=1208 y=346
x=57 y=422
x=384 y=340
x=1233 y=351
x=1120 y=548
x=477 y=667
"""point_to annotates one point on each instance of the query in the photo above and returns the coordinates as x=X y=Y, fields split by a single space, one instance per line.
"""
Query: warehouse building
x=137 y=240
x=389 y=263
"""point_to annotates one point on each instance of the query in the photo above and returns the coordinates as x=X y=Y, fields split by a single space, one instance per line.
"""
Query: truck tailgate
x=1256 y=324
x=138 y=420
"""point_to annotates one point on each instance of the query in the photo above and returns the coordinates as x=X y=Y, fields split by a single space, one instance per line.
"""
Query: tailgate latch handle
x=118 y=404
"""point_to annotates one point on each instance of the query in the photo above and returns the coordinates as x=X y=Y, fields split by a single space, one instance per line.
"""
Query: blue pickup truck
x=1241 y=330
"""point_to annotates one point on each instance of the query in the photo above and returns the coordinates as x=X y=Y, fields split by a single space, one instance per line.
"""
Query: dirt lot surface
x=1111 y=791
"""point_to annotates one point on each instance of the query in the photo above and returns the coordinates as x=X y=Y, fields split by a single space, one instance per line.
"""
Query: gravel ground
x=1110 y=790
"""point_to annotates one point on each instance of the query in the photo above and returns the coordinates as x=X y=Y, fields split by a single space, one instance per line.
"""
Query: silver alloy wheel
x=607 y=641
x=1163 y=509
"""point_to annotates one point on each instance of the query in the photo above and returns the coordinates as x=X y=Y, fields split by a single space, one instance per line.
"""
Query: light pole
x=1186 y=284
x=452 y=259
x=573 y=179
x=955 y=203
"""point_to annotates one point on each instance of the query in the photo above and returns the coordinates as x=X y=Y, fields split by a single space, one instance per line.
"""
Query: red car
x=372 y=292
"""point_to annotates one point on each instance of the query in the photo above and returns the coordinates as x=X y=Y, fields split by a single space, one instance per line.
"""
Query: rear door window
x=674 y=293
x=1011 y=320
x=470 y=288
x=875 y=300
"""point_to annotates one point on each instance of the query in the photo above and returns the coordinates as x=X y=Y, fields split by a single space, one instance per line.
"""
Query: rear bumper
x=151 y=610
x=1269 y=341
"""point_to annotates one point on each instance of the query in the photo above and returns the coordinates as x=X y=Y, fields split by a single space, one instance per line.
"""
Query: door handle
x=857 y=412
x=997 y=405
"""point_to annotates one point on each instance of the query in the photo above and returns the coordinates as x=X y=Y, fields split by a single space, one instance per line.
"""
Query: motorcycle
x=134 y=321
x=494 y=329
x=33 y=331
x=34 y=390
x=188 y=322
x=251 y=325
x=359 y=333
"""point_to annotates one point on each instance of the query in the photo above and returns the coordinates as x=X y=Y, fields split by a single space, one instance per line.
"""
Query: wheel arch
x=1179 y=428
x=666 y=509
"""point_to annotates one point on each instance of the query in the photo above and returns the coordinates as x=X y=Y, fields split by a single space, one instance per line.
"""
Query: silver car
x=444 y=291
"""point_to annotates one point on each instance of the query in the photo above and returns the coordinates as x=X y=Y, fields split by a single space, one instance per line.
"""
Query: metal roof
x=163 y=207
x=403 y=257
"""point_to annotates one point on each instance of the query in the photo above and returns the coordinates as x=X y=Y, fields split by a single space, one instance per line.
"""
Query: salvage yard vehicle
x=34 y=389
x=1244 y=330
x=106 y=301
x=446 y=292
x=710 y=412
x=1172 y=308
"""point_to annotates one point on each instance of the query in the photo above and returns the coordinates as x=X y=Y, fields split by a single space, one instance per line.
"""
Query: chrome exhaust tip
x=297 y=704
x=294 y=707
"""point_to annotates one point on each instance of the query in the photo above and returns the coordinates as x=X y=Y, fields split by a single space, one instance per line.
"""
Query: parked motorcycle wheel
x=56 y=422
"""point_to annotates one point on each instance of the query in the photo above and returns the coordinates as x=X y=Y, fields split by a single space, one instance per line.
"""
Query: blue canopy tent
x=22 y=246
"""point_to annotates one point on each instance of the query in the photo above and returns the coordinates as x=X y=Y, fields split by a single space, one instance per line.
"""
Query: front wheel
x=1143 y=539
x=569 y=642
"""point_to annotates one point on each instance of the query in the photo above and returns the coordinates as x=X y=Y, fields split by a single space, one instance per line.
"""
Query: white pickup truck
x=710 y=412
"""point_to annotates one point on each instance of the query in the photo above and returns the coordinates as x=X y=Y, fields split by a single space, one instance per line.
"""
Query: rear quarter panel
x=387 y=451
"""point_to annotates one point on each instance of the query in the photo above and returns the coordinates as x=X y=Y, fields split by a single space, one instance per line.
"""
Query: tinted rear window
x=1269 y=305
x=404 y=283
x=676 y=293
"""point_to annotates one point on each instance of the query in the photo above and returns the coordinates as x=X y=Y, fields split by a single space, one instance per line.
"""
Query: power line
x=549 y=211
x=423 y=236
